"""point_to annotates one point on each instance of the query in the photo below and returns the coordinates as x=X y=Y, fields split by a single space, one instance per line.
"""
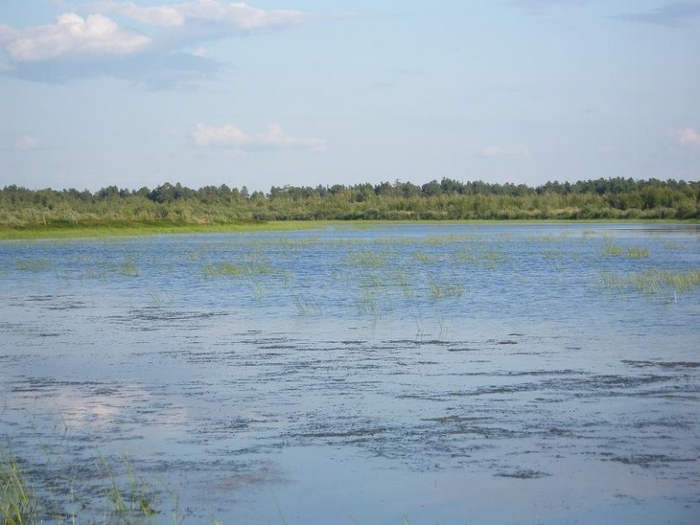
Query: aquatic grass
x=441 y=290
x=127 y=268
x=258 y=288
x=632 y=252
x=368 y=259
x=612 y=280
x=234 y=270
x=638 y=253
x=552 y=254
x=653 y=283
x=675 y=246
x=125 y=499
x=367 y=303
x=32 y=266
x=425 y=258
x=18 y=502
x=139 y=501
x=404 y=284
x=492 y=257
x=611 y=250
x=158 y=299
x=231 y=270
x=306 y=306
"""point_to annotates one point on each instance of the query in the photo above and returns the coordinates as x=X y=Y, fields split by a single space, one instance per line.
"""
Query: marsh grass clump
x=222 y=269
x=612 y=280
x=127 y=268
x=638 y=253
x=368 y=259
x=442 y=290
x=653 y=283
x=611 y=250
x=425 y=258
x=632 y=252
x=492 y=257
x=18 y=502
x=235 y=270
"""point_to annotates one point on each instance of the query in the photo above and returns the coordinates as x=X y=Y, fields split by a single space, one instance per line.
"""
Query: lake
x=399 y=373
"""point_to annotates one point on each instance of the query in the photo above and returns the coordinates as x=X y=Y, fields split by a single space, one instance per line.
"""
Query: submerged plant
x=32 y=266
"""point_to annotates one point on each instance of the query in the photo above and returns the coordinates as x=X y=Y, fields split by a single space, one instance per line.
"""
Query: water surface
x=521 y=373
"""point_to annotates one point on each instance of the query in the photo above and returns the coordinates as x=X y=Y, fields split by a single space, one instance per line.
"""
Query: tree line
x=448 y=199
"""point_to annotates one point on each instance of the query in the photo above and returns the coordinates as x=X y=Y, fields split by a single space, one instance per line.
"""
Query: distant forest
x=616 y=198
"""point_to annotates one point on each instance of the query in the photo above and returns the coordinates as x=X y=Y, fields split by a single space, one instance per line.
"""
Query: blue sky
x=308 y=92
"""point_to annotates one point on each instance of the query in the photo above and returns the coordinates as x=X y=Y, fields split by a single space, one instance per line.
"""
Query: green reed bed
x=236 y=270
x=653 y=283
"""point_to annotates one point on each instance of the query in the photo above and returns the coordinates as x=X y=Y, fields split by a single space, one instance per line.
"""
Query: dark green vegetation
x=174 y=207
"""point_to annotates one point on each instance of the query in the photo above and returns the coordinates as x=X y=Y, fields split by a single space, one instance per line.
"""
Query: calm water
x=429 y=373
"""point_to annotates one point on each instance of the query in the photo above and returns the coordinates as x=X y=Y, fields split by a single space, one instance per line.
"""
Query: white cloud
x=71 y=36
x=104 y=41
x=225 y=136
x=688 y=137
x=164 y=16
x=229 y=136
x=517 y=152
x=215 y=14
x=26 y=142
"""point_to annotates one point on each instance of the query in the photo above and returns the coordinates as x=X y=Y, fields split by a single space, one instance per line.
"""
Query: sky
x=323 y=92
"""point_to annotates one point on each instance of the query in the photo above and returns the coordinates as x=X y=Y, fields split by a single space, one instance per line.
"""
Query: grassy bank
x=125 y=229
x=60 y=230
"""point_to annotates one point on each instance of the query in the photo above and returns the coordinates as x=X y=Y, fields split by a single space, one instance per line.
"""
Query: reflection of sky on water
x=532 y=394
